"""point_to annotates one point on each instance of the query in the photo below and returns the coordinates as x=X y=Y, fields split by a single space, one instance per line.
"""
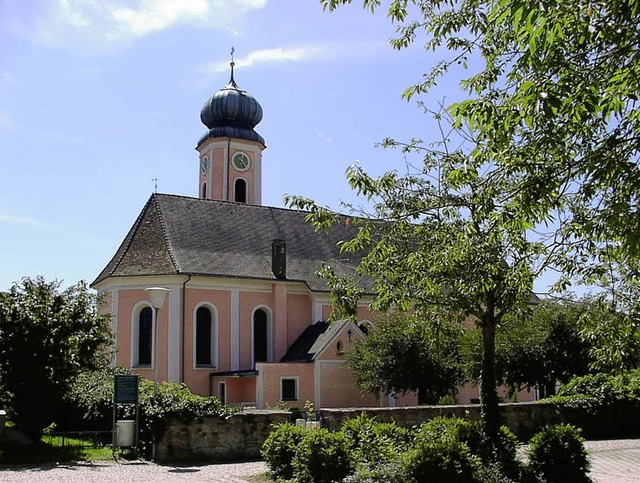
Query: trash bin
x=125 y=432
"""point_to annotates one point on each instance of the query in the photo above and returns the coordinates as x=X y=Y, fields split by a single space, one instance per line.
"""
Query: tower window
x=240 y=191
x=204 y=190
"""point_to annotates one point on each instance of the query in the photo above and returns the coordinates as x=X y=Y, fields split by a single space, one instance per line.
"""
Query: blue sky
x=99 y=97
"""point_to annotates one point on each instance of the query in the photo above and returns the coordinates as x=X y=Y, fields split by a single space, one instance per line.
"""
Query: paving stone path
x=611 y=462
x=136 y=471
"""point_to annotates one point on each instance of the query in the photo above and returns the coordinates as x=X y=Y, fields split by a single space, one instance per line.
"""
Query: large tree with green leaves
x=47 y=337
x=404 y=352
x=553 y=109
x=552 y=92
x=442 y=235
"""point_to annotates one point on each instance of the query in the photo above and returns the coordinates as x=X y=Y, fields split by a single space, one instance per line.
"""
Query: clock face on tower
x=240 y=161
x=204 y=164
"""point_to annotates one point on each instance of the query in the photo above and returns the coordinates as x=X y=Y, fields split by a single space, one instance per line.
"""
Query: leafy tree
x=539 y=347
x=408 y=353
x=47 y=336
x=613 y=336
x=553 y=108
x=552 y=95
x=442 y=236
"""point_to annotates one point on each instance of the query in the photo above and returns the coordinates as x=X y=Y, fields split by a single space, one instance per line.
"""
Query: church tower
x=231 y=150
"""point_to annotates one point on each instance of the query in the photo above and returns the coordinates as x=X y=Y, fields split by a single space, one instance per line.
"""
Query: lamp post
x=156 y=297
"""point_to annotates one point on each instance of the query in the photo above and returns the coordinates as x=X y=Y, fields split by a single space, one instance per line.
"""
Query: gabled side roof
x=192 y=236
x=315 y=338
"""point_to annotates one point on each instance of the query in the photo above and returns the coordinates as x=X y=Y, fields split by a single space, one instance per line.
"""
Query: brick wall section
x=241 y=436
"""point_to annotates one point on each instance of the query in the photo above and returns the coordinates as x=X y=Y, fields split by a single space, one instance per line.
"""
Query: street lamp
x=156 y=296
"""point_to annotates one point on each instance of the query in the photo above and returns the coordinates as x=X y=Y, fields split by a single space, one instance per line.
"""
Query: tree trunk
x=489 y=409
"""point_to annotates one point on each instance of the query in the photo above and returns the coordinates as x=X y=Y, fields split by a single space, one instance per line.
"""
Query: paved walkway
x=611 y=462
x=615 y=461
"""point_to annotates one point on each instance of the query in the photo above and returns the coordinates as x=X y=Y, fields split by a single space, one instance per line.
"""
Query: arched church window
x=205 y=332
x=260 y=336
x=145 y=336
x=240 y=190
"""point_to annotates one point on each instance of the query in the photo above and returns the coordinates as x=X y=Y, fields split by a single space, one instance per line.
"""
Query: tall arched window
x=260 y=336
x=205 y=336
x=145 y=336
x=204 y=190
x=240 y=190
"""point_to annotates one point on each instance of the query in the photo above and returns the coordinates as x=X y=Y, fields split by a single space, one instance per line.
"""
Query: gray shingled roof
x=183 y=235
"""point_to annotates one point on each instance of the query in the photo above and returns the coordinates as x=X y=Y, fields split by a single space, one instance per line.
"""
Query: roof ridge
x=123 y=249
x=248 y=205
x=164 y=234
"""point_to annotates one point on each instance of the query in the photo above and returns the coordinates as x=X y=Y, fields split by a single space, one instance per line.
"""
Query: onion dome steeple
x=231 y=112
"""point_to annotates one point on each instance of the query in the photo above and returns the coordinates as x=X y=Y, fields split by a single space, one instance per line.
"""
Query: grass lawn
x=50 y=450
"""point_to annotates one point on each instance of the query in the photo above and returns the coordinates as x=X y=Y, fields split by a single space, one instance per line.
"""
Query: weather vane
x=155 y=184
x=232 y=81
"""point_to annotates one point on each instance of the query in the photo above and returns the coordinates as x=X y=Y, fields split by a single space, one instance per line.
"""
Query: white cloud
x=19 y=220
x=270 y=55
x=116 y=21
x=324 y=137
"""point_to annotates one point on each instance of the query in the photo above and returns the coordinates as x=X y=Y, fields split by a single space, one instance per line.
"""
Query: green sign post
x=125 y=391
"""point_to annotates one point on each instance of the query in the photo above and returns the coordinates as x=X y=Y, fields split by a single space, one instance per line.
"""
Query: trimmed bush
x=382 y=473
x=279 y=449
x=443 y=460
x=322 y=457
x=470 y=433
x=376 y=443
x=557 y=454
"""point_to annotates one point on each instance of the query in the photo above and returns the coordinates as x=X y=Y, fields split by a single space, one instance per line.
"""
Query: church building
x=244 y=317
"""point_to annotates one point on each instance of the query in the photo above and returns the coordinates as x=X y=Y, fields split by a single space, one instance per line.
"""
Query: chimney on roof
x=279 y=259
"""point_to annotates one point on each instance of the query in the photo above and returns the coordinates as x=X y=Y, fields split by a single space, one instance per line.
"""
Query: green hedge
x=89 y=406
x=603 y=405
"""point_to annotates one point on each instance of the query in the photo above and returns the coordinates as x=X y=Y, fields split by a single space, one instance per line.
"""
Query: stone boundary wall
x=523 y=419
x=241 y=436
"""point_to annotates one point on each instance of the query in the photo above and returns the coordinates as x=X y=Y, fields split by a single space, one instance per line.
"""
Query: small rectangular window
x=289 y=389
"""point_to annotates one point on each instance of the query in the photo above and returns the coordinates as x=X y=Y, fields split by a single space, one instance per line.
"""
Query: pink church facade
x=244 y=318
x=244 y=315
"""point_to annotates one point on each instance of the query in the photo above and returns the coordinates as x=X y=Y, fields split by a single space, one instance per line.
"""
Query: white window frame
x=214 y=335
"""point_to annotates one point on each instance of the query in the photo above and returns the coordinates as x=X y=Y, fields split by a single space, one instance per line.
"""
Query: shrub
x=371 y=442
x=444 y=460
x=557 y=453
x=470 y=433
x=89 y=405
x=601 y=404
x=280 y=447
x=378 y=473
x=322 y=457
x=447 y=400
